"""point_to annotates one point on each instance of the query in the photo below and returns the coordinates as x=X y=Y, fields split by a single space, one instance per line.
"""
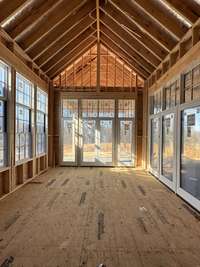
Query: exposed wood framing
x=146 y=23
x=170 y=22
x=191 y=39
x=184 y=7
x=59 y=30
x=47 y=23
x=7 y=8
x=72 y=56
x=68 y=49
x=98 y=45
x=129 y=54
x=13 y=60
x=134 y=44
x=132 y=28
x=65 y=40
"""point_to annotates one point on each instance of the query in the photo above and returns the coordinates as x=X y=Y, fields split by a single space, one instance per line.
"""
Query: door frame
x=115 y=120
x=171 y=184
x=152 y=117
x=181 y=192
x=61 y=123
x=133 y=147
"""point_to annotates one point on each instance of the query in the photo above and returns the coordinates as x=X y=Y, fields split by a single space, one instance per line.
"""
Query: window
x=41 y=122
x=156 y=102
x=107 y=108
x=89 y=108
x=172 y=95
x=4 y=84
x=191 y=90
x=126 y=108
x=188 y=87
x=24 y=106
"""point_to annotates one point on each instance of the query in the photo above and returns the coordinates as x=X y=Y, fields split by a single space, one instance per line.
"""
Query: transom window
x=172 y=95
x=126 y=108
x=191 y=89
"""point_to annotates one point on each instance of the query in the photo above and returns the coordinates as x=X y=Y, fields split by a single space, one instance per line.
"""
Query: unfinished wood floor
x=86 y=216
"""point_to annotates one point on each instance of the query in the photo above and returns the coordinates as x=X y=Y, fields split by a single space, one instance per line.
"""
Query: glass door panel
x=154 y=150
x=168 y=146
x=89 y=148
x=69 y=144
x=69 y=131
x=106 y=142
x=190 y=152
x=125 y=148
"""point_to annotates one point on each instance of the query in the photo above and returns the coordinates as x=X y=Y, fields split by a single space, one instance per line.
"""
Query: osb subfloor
x=86 y=216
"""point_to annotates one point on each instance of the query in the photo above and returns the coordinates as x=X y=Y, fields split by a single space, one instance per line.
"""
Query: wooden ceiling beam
x=168 y=20
x=65 y=40
x=142 y=62
x=124 y=57
x=130 y=41
x=70 y=47
x=47 y=23
x=185 y=9
x=132 y=28
x=61 y=29
x=71 y=57
x=146 y=23
x=32 y=18
x=8 y=8
x=125 y=54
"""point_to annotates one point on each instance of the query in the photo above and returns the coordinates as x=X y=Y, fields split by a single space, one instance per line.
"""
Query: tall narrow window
x=41 y=121
x=4 y=85
x=24 y=106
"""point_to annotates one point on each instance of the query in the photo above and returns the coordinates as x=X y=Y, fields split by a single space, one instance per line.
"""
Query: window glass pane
x=41 y=119
x=188 y=87
x=196 y=83
x=23 y=120
x=70 y=108
x=106 y=108
x=168 y=146
x=89 y=108
x=126 y=108
x=190 y=151
x=24 y=90
x=154 y=156
x=4 y=70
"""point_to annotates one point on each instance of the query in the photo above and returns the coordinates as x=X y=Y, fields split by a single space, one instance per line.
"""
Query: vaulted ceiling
x=54 y=33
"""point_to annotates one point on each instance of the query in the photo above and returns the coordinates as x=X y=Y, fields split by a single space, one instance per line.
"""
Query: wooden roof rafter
x=156 y=9
x=123 y=56
x=69 y=23
x=137 y=34
x=69 y=37
x=69 y=48
x=127 y=38
x=146 y=24
x=30 y=18
x=140 y=61
x=8 y=8
x=72 y=56
x=126 y=56
x=50 y=21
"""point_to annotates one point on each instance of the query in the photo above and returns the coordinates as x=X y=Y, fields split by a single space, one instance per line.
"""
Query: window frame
x=44 y=125
x=28 y=135
x=5 y=123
